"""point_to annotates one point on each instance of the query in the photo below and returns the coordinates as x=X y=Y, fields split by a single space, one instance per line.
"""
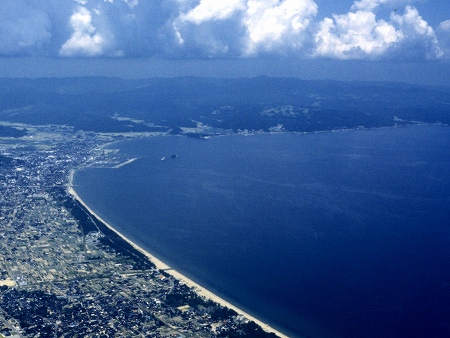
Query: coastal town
x=64 y=273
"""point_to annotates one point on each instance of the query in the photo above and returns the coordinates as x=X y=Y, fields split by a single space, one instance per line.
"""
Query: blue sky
x=304 y=37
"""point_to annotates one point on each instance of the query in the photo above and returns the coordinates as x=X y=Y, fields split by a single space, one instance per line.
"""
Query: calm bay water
x=334 y=234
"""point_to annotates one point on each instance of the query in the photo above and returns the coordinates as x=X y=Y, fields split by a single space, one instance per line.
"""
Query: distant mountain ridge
x=104 y=104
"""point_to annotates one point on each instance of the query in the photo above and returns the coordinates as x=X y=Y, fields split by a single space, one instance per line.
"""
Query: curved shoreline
x=200 y=290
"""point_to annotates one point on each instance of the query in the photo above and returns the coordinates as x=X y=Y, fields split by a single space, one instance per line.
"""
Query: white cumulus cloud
x=218 y=29
x=85 y=40
x=367 y=5
x=277 y=24
x=213 y=10
x=445 y=26
x=207 y=28
x=360 y=35
x=245 y=27
x=355 y=36
x=443 y=36
x=419 y=37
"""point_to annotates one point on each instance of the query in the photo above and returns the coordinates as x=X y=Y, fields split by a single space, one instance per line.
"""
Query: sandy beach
x=161 y=265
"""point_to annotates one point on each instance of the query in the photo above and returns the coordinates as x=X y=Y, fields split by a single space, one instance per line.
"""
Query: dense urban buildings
x=64 y=273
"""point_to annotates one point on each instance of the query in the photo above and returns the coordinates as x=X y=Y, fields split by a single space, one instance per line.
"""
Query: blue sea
x=333 y=234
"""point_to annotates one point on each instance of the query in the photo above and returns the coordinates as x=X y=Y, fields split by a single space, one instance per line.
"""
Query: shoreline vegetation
x=160 y=265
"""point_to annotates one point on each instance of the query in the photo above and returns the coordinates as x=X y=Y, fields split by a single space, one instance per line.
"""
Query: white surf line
x=200 y=290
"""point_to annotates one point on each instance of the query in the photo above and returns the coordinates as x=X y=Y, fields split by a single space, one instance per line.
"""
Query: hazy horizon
x=422 y=73
x=365 y=40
